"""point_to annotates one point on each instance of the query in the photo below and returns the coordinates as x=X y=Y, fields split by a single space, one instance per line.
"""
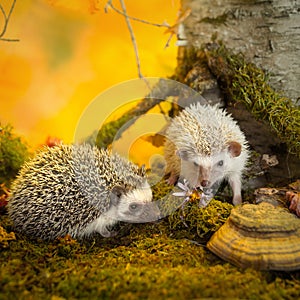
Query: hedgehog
x=78 y=190
x=204 y=145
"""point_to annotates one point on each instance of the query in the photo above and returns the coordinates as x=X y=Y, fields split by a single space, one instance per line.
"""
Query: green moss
x=199 y=223
x=147 y=263
x=5 y=237
x=189 y=220
x=144 y=261
x=109 y=131
x=13 y=153
x=160 y=189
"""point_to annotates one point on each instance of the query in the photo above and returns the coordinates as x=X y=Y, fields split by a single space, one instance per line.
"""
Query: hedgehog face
x=204 y=171
x=134 y=206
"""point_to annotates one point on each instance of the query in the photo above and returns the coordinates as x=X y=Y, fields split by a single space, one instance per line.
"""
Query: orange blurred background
x=70 y=51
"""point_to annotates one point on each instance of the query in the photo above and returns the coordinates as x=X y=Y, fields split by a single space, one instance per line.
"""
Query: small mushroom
x=261 y=236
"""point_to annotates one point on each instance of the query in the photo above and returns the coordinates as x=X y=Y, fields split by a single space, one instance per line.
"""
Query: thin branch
x=9 y=40
x=132 y=39
x=109 y=4
x=137 y=58
x=173 y=30
x=6 y=21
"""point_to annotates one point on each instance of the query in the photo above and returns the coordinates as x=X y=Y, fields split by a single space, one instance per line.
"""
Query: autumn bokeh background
x=69 y=52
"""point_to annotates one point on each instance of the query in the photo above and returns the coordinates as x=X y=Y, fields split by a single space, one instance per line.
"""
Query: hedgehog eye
x=133 y=206
x=220 y=163
x=195 y=164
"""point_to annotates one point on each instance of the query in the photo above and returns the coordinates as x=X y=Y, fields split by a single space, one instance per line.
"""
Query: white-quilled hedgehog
x=78 y=190
x=205 y=145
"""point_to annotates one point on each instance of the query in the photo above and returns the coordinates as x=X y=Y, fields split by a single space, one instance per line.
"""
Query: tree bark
x=266 y=32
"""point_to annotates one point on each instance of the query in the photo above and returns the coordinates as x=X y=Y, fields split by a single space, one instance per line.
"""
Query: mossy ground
x=147 y=264
x=164 y=260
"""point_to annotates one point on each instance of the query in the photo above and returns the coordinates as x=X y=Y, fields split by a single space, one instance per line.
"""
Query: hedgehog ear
x=115 y=194
x=234 y=148
x=182 y=154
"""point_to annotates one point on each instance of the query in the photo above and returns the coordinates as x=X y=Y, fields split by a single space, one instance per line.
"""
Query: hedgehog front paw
x=106 y=233
x=172 y=179
x=237 y=199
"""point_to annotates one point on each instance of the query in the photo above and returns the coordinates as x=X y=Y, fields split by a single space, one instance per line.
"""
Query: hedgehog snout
x=204 y=176
x=151 y=213
x=205 y=183
x=138 y=212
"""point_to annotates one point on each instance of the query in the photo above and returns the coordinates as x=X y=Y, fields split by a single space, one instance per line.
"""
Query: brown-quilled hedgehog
x=78 y=190
x=205 y=145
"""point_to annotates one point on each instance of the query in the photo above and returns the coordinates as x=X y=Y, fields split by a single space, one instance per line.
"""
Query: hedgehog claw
x=106 y=233
x=113 y=233
x=172 y=179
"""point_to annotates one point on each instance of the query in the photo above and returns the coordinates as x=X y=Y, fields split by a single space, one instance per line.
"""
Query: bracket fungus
x=261 y=236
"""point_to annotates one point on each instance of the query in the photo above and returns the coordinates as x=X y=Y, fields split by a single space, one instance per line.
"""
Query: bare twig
x=107 y=5
x=132 y=38
x=137 y=58
x=6 y=21
x=110 y=4
x=173 y=30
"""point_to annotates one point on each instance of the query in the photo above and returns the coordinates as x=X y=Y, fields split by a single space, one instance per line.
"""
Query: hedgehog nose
x=204 y=183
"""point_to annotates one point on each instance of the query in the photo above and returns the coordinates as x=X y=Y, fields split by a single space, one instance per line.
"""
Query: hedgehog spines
x=65 y=188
